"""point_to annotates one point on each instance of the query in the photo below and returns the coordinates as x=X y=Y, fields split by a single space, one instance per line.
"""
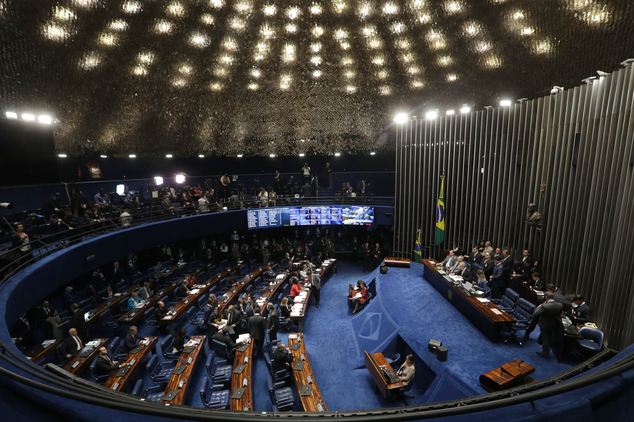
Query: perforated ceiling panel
x=217 y=77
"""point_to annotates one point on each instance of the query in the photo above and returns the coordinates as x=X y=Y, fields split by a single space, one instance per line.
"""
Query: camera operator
x=132 y=201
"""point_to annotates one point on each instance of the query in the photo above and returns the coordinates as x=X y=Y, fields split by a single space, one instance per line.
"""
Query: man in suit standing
x=507 y=264
x=117 y=274
x=560 y=298
x=581 y=313
x=43 y=313
x=23 y=330
x=546 y=316
x=104 y=364
x=208 y=309
x=377 y=255
x=130 y=341
x=71 y=345
x=367 y=257
x=233 y=317
x=487 y=265
x=361 y=188
x=316 y=283
x=273 y=321
x=497 y=281
x=257 y=329
x=525 y=264
x=249 y=309
x=475 y=257
x=537 y=283
x=450 y=260
x=78 y=322
x=67 y=297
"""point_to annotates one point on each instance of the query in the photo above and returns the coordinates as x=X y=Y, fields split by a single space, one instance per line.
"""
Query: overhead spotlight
x=450 y=112
x=430 y=115
x=132 y=155
x=11 y=115
x=465 y=109
x=272 y=155
x=589 y=80
x=521 y=100
x=337 y=154
x=158 y=180
x=239 y=155
x=180 y=178
x=373 y=153
x=62 y=155
x=602 y=73
x=103 y=156
x=47 y=120
x=168 y=155
x=627 y=62
x=505 y=103
x=28 y=117
x=301 y=154
x=201 y=156
x=400 y=118
x=556 y=90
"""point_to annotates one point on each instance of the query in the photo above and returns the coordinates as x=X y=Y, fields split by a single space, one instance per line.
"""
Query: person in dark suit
x=223 y=336
x=71 y=345
x=377 y=255
x=160 y=311
x=307 y=190
x=233 y=317
x=179 y=341
x=581 y=313
x=560 y=298
x=273 y=321
x=282 y=359
x=286 y=261
x=367 y=257
x=78 y=322
x=130 y=341
x=475 y=257
x=181 y=291
x=546 y=316
x=361 y=188
x=537 y=283
x=316 y=260
x=67 y=298
x=487 y=265
x=209 y=307
x=507 y=264
x=249 y=309
x=315 y=281
x=23 y=330
x=525 y=264
x=104 y=364
x=42 y=314
x=257 y=329
x=118 y=274
x=465 y=272
x=497 y=281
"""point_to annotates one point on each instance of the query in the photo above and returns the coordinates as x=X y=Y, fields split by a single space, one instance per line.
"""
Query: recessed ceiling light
x=373 y=153
x=465 y=109
x=201 y=156
x=28 y=117
x=132 y=156
x=11 y=115
x=239 y=155
x=62 y=155
x=337 y=154
x=431 y=115
x=450 y=112
x=271 y=155
x=400 y=118
x=103 y=156
x=301 y=154
x=168 y=155
x=505 y=103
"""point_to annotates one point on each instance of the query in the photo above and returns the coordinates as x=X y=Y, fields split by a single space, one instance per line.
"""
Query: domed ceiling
x=218 y=77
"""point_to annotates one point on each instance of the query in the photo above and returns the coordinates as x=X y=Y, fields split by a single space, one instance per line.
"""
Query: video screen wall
x=262 y=218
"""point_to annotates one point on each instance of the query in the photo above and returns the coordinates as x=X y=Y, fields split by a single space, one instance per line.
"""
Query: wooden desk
x=270 y=293
x=118 y=383
x=235 y=291
x=78 y=364
x=299 y=319
x=391 y=261
x=110 y=304
x=245 y=402
x=526 y=292
x=483 y=315
x=309 y=403
x=506 y=376
x=39 y=352
x=185 y=375
x=134 y=315
x=374 y=362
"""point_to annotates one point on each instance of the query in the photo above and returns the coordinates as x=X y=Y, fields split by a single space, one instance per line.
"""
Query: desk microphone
x=519 y=365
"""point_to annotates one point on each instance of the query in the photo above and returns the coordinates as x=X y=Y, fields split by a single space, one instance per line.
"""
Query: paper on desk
x=497 y=311
x=298 y=313
x=292 y=336
x=483 y=299
x=280 y=276
x=117 y=294
x=302 y=294
x=194 y=291
x=93 y=343
x=357 y=295
x=455 y=278
x=168 y=317
x=243 y=338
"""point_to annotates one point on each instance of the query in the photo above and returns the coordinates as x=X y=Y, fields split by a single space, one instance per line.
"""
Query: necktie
x=79 y=343
x=28 y=327
x=230 y=315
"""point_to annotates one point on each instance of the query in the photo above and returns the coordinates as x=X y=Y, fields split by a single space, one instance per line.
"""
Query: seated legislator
x=182 y=290
x=450 y=260
x=71 y=345
x=361 y=297
x=407 y=370
x=295 y=288
x=192 y=280
x=160 y=311
x=223 y=337
x=133 y=300
x=456 y=268
x=130 y=341
x=464 y=272
x=179 y=341
x=159 y=268
x=282 y=359
x=145 y=292
x=316 y=260
x=582 y=312
x=537 y=283
x=104 y=364
x=482 y=282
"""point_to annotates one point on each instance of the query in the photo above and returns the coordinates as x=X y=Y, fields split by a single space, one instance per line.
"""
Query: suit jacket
x=475 y=258
x=497 y=279
x=508 y=269
x=466 y=274
x=273 y=321
x=129 y=342
x=207 y=311
x=224 y=339
x=449 y=261
x=487 y=267
x=316 y=261
x=69 y=346
x=257 y=327
x=280 y=358
x=236 y=317
x=105 y=366
x=179 y=343
x=117 y=275
x=42 y=315
x=582 y=314
x=546 y=315
x=160 y=313
x=78 y=322
x=528 y=262
x=540 y=284
x=565 y=302
x=181 y=292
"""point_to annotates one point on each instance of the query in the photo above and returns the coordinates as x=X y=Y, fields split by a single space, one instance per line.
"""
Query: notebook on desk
x=189 y=349
x=123 y=371
x=86 y=352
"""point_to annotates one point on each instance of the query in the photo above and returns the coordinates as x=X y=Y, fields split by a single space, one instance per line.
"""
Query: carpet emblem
x=371 y=326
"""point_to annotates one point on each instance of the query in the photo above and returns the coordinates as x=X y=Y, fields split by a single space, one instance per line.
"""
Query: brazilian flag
x=417 y=249
x=440 y=214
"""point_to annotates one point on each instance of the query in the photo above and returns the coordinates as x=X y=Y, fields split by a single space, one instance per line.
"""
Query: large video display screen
x=263 y=218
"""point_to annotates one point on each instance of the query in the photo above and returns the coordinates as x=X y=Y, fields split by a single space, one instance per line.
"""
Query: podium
x=506 y=376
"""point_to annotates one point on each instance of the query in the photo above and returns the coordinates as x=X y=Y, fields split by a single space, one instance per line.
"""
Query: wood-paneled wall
x=578 y=144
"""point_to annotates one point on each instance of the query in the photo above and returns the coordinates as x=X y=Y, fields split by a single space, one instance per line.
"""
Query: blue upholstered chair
x=592 y=342
x=508 y=301
x=159 y=372
x=522 y=314
x=221 y=350
x=167 y=348
x=280 y=397
x=108 y=321
x=195 y=320
x=115 y=348
x=93 y=372
x=279 y=377
x=154 y=393
x=149 y=318
x=214 y=399
x=219 y=373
